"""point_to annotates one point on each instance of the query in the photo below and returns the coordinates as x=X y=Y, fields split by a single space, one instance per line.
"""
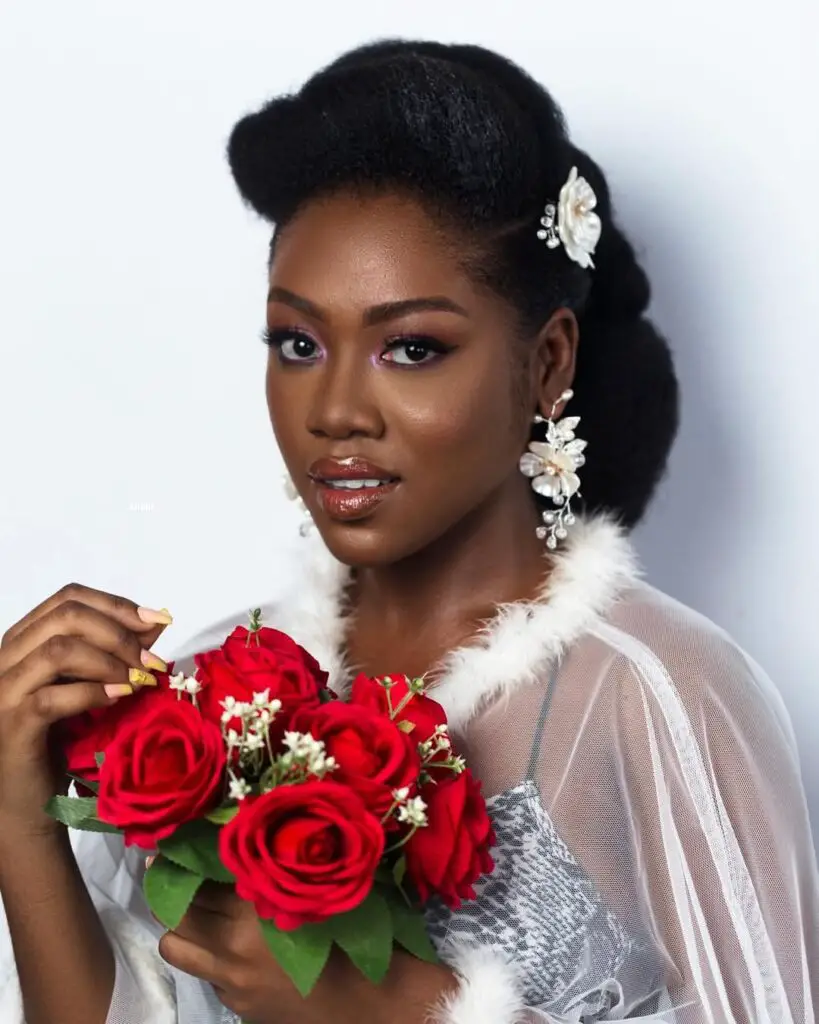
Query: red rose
x=242 y=667
x=374 y=756
x=162 y=769
x=84 y=736
x=303 y=853
x=422 y=711
x=449 y=854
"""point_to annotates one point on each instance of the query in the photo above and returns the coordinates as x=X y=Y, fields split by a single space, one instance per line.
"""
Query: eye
x=415 y=351
x=292 y=346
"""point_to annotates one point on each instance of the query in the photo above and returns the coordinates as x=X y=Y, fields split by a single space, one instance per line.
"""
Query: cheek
x=467 y=421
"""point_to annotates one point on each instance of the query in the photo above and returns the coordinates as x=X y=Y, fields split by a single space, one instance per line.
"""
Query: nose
x=343 y=404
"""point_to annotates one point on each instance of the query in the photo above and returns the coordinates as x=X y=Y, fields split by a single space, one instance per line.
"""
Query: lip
x=352 y=468
x=350 y=505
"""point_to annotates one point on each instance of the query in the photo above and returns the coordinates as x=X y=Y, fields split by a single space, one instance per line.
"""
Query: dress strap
x=534 y=756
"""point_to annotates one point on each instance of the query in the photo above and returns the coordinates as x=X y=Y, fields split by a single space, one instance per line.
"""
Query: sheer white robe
x=655 y=859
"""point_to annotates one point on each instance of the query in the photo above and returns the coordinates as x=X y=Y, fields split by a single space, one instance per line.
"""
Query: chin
x=365 y=545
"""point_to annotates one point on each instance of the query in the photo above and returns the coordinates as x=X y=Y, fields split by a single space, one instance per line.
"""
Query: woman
x=445 y=271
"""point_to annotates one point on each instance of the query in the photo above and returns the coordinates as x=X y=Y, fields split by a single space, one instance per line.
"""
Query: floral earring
x=552 y=467
x=293 y=495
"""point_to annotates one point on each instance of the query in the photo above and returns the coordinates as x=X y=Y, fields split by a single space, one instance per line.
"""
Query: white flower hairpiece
x=572 y=221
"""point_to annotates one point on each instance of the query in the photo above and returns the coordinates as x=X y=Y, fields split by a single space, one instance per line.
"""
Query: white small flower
x=238 y=789
x=192 y=686
x=400 y=795
x=233 y=738
x=413 y=812
x=458 y=765
x=261 y=700
x=253 y=741
x=177 y=682
x=577 y=224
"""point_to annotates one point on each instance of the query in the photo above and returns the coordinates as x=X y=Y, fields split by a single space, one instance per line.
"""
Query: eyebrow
x=375 y=314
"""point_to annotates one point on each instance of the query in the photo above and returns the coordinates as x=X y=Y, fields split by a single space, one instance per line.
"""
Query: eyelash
x=275 y=339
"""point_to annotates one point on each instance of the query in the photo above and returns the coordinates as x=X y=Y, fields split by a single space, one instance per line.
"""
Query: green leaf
x=302 y=954
x=169 y=890
x=399 y=871
x=365 y=935
x=79 y=812
x=410 y=930
x=406 y=726
x=195 y=846
x=99 y=757
x=222 y=815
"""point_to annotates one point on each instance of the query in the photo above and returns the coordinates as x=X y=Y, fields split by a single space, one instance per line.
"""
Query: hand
x=220 y=942
x=70 y=654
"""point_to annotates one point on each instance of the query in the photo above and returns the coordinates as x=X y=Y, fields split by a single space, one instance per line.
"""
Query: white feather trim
x=596 y=566
x=489 y=990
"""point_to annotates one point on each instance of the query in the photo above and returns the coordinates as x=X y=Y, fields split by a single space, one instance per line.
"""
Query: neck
x=491 y=557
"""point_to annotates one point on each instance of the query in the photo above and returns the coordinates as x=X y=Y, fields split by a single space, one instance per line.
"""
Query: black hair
x=483 y=145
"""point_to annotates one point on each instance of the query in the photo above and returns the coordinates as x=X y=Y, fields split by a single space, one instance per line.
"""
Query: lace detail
x=540 y=909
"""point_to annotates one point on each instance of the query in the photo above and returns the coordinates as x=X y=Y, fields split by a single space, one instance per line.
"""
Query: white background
x=135 y=450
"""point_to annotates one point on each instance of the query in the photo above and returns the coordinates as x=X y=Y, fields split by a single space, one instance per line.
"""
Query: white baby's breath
x=238 y=789
x=413 y=812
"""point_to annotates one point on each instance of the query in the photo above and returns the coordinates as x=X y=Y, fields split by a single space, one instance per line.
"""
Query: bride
x=448 y=293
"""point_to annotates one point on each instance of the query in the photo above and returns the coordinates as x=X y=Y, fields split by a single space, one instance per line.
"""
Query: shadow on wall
x=689 y=530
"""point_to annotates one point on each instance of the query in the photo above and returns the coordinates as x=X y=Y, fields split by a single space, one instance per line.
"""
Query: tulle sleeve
x=667 y=768
x=718 y=836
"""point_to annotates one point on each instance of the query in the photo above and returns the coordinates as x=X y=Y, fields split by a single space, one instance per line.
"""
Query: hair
x=483 y=146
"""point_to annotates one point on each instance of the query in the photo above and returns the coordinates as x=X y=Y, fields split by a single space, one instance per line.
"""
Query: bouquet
x=338 y=819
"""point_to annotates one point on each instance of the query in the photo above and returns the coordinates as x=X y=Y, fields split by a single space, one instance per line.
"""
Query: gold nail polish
x=151 y=660
x=141 y=678
x=159 y=617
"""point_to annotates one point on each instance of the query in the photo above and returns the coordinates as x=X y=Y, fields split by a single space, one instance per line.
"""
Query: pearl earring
x=293 y=495
x=552 y=467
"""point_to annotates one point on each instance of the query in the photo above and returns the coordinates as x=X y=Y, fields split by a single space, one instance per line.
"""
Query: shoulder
x=666 y=657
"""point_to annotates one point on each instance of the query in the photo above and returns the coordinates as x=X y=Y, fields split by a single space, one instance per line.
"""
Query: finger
x=74 y=619
x=53 y=703
x=219 y=899
x=147 y=622
x=188 y=956
x=62 y=657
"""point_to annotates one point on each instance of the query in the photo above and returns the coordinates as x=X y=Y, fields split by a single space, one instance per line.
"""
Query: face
x=400 y=397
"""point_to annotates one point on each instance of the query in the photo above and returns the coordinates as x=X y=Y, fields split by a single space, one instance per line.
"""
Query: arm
x=64 y=959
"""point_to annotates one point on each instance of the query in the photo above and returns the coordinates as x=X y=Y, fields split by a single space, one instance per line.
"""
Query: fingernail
x=140 y=678
x=159 y=616
x=118 y=689
x=151 y=660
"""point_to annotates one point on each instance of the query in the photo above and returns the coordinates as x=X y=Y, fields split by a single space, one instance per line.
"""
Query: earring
x=293 y=495
x=552 y=467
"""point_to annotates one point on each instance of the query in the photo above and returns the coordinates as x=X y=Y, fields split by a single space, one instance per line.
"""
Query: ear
x=554 y=361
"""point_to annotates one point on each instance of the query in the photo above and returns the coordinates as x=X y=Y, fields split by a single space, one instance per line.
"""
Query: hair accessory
x=293 y=495
x=552 y=466
x=572 y=221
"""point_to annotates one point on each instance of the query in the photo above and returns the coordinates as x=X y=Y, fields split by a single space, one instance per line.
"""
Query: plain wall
x=136 y=454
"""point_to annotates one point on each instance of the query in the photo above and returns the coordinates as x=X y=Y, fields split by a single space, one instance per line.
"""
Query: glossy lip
x=344 y=505
x=352 y=468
